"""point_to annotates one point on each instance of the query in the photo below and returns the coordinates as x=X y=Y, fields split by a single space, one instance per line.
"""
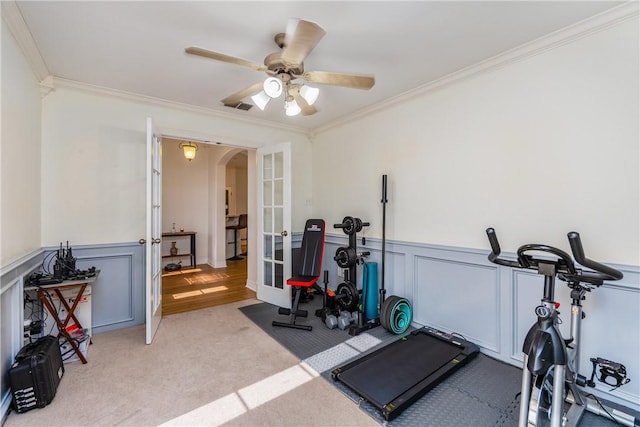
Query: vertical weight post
x=384 y=223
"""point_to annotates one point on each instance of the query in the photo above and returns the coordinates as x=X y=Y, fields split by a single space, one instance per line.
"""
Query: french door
x=153 y=258
x=274 y=224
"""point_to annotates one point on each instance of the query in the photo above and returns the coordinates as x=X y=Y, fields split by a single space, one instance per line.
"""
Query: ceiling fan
x=286 y=72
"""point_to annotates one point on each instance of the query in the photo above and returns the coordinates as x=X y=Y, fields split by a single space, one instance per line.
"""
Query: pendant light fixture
x=189 y=150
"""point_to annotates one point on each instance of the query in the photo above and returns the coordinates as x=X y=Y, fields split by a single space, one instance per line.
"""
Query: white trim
x=614 y=16
x=17 y=263
x=60 y=82
x=584 y=28
x=14 y=20
x=47 y=86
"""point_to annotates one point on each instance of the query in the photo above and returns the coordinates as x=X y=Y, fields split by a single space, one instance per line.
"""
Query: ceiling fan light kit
x=291 y=108
x=310 y=94
x=286 y=71
x=272 y=87
x=261 y=99
x=272 y=90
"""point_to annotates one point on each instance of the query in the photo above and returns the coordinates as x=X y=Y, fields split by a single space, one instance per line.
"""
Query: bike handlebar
x=578 y=254
x=564 y=264
x=495 y=251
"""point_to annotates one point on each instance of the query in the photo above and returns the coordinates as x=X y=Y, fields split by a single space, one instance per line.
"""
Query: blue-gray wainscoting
x=459 y=290
x=117 y=295
x=452 y=289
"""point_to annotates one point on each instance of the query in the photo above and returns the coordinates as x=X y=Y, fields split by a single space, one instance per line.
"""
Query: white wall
x=94 y=146
x=186 y=189
x=19 y=195
x=20 y=154
x=238 y=197
x=535 y=148
x=237 y=182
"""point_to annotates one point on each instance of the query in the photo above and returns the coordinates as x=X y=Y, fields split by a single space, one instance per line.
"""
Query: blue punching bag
x=370 y=290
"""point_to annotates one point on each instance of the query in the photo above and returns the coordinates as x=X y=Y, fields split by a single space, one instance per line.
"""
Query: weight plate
x=383 y=308
x=350 y=300
x=349 y=226
x=400 y=316
x=386 y=310
x=358 y=225
x=345 y=257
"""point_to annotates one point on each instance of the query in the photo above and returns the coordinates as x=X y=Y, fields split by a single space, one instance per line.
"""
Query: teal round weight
x=400 y=317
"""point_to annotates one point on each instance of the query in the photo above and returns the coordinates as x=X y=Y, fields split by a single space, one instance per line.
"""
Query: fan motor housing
x=276 y=66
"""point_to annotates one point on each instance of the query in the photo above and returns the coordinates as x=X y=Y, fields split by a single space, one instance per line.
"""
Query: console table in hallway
x=192 y=239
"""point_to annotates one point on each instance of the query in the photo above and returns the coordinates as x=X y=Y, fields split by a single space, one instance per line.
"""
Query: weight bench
x=306 y=272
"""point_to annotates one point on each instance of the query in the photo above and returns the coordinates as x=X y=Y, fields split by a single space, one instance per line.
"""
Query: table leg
x=62 y=326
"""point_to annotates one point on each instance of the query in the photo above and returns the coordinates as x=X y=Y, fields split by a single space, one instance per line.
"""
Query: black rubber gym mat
x=301 y=343
x=483 y=394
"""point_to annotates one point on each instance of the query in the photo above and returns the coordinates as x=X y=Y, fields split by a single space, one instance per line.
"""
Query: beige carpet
x=207 y=367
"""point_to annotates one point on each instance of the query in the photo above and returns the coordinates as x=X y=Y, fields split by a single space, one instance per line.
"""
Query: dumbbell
x=343 y=321
x=331 y=321
x=346 y=319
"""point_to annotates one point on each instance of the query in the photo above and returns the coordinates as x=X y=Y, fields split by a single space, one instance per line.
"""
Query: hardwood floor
x=204 y=286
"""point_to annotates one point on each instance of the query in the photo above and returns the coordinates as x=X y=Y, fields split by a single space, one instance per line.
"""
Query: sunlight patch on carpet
x=235 y=404
x=276 y=385
x=212 y=414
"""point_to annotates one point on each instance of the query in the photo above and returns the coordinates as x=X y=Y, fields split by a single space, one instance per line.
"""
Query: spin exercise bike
x=549 y=393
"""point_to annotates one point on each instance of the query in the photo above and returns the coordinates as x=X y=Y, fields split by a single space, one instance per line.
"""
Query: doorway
x=193 y=194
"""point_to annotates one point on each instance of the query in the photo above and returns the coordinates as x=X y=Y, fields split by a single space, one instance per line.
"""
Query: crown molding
x=13 y=18
x=569 y=34
x=17 y=26
x=47 y=86
x=130 y=96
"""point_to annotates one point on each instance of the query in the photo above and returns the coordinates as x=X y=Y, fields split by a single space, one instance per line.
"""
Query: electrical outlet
x=340 y=273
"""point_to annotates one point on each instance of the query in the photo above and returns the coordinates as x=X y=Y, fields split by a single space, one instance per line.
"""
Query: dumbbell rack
x=351 y=226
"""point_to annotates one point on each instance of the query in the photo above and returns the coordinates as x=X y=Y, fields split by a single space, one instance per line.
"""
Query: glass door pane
x=274 y=266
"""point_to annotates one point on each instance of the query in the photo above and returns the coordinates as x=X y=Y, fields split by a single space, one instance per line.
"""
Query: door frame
x=218 y=224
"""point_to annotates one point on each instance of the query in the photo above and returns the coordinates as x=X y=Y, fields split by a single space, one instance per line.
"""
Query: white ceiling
x=138 y=47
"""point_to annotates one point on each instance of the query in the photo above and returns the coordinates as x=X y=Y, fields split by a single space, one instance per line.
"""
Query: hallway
x=204 y=286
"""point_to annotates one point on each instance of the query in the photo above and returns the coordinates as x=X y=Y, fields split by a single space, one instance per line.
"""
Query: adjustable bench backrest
x=310 y=256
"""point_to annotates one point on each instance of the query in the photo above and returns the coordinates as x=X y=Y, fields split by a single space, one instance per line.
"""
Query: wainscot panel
x=460 y=297
x=459 y=290
x=11 y=317
x=118 y=293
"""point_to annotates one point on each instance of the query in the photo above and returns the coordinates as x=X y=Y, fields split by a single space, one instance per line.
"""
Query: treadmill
x=393 y=377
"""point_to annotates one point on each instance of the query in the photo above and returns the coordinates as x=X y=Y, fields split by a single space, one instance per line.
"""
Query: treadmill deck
x=394 y=376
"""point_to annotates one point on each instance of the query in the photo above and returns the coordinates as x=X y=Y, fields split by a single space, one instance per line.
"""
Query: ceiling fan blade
x=356 y=81
x=193 y=50
x=300 y=39
x=306 y=109
x=234 y=100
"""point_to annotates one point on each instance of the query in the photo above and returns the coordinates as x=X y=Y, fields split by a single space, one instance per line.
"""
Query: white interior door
x=153 y=235
x=274 y=224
